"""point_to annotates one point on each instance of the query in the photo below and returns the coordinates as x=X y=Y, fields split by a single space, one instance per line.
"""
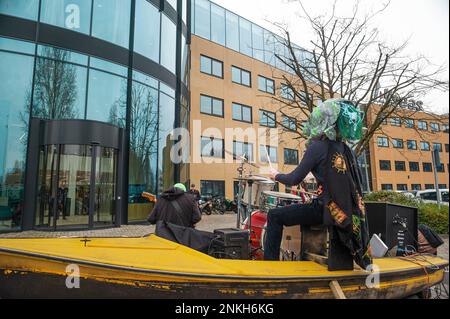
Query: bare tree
x=349 y=60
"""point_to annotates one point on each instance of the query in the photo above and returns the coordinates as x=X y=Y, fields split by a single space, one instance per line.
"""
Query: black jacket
x=166 y=209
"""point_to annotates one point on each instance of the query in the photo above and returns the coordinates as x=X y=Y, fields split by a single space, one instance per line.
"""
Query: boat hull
x=105 y=282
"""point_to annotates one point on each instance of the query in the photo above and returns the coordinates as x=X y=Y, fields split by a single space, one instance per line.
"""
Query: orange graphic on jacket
x=338 y=214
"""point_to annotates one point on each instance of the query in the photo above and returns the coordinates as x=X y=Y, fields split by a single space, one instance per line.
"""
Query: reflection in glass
x=173 y=3
x=17 y=46
x=258 y=42
x=245 y=29
x=74 y=15
x=269 y=48
x=105 y=186
x=143 y=149
x=232 y=29
x=147 y=27
x=16 y=82
x=59 y=87
x=111 y=21
x=217 y=24
x=106 y=98
x=184 y=60
x=168 y=45
x=202 y=18
x=166 y=125
x=27 y=9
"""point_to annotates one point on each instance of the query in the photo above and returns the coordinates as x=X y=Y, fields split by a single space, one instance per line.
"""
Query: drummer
x=335 y=168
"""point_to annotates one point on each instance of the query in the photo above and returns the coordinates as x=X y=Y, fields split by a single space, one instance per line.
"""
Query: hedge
x=429 y=214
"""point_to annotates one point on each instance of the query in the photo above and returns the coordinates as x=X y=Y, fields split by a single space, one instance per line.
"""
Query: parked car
x=430 y=196
x=406 y=193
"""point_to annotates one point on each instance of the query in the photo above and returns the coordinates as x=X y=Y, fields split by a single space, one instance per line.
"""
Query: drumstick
x=268 y=157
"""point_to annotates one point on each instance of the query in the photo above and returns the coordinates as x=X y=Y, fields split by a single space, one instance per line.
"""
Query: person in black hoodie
x=177 y=207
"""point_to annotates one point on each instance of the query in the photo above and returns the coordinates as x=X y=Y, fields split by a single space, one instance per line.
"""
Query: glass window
x=245 y=37
x=108 y=66
x=143 y=149
x=169 y=44
x=266 y=85
x=385 y=165
x=203 y=19
x=210 y=105
x=414 y=166
x=416 y=187
x=258 y=42
x=440 y=168
x=17 y=46
x=402 y=187
x=212 y=147
x=289 y=123
x=173 y=3
x=111 y=21
x=267 y=118
x=240 y=76
x=271 y=150
x=411 y=144
x=74 y=15
x=400 y=166
x=409 y=123
x=14 y=113
x=396 y=121
x=243 y=149
x=287 y=92
x=211 y=66
x=232 y=31
x=212 y=188
x=242 y=113
x=424 y=146
x=290 y=156
x=62 y=55
x=386 y=187
x=59 y=87
x=269 y=48
x=106 y=98
x=434 y=127
x=422 y=125
x=437 y=146
x=446 y=148
x=166 y=173
x=217 y=24
x=382 y=141
x=397 y=143
x=427 y=167
x=27 y=9
x=147 y=30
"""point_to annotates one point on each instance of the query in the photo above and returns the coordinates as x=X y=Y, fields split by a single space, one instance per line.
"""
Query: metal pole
x=239 y=204
x=436 y=185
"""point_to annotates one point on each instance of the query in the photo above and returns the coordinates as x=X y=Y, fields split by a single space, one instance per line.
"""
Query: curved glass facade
x=72 y=79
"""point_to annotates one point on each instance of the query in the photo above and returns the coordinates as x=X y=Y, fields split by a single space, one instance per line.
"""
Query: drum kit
x=254 y=200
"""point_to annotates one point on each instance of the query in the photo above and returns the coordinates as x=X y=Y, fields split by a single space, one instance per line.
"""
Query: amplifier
x=230 y=243
x=396 y=225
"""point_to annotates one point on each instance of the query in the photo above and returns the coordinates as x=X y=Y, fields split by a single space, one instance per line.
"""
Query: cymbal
x=252 y=178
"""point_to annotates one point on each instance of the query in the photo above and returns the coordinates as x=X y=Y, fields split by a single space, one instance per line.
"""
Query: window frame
x=426 y=149
x=266 y=79
x=242 y=106
x=241 y=70
x=284 y=156
x=212 y=60
x=421 y=127
x=397 y=169
x=383 y=138
x=398 y=140
x=261 y=111
x=212 y=103
x=428 y=165
x=209 y=138
x=395 y=121
x=414 y=170
x=252 y=159
x=268 y=148
x=415 y=145
x=385 y=162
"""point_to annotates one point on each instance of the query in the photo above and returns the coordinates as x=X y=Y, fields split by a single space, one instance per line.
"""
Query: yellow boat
x=152 y=267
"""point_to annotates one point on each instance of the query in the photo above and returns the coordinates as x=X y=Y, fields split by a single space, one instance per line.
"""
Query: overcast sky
x=424 y=22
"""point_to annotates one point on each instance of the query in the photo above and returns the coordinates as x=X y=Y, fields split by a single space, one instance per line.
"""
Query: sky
x=424 y=22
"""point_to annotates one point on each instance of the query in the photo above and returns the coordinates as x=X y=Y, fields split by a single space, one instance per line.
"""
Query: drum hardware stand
x=249 y=209
x=239 y=204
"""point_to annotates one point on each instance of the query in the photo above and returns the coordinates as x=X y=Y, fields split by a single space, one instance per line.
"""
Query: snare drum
x=271 y=200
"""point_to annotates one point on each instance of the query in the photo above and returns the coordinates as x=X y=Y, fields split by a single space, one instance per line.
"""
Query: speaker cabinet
x=395 y=224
